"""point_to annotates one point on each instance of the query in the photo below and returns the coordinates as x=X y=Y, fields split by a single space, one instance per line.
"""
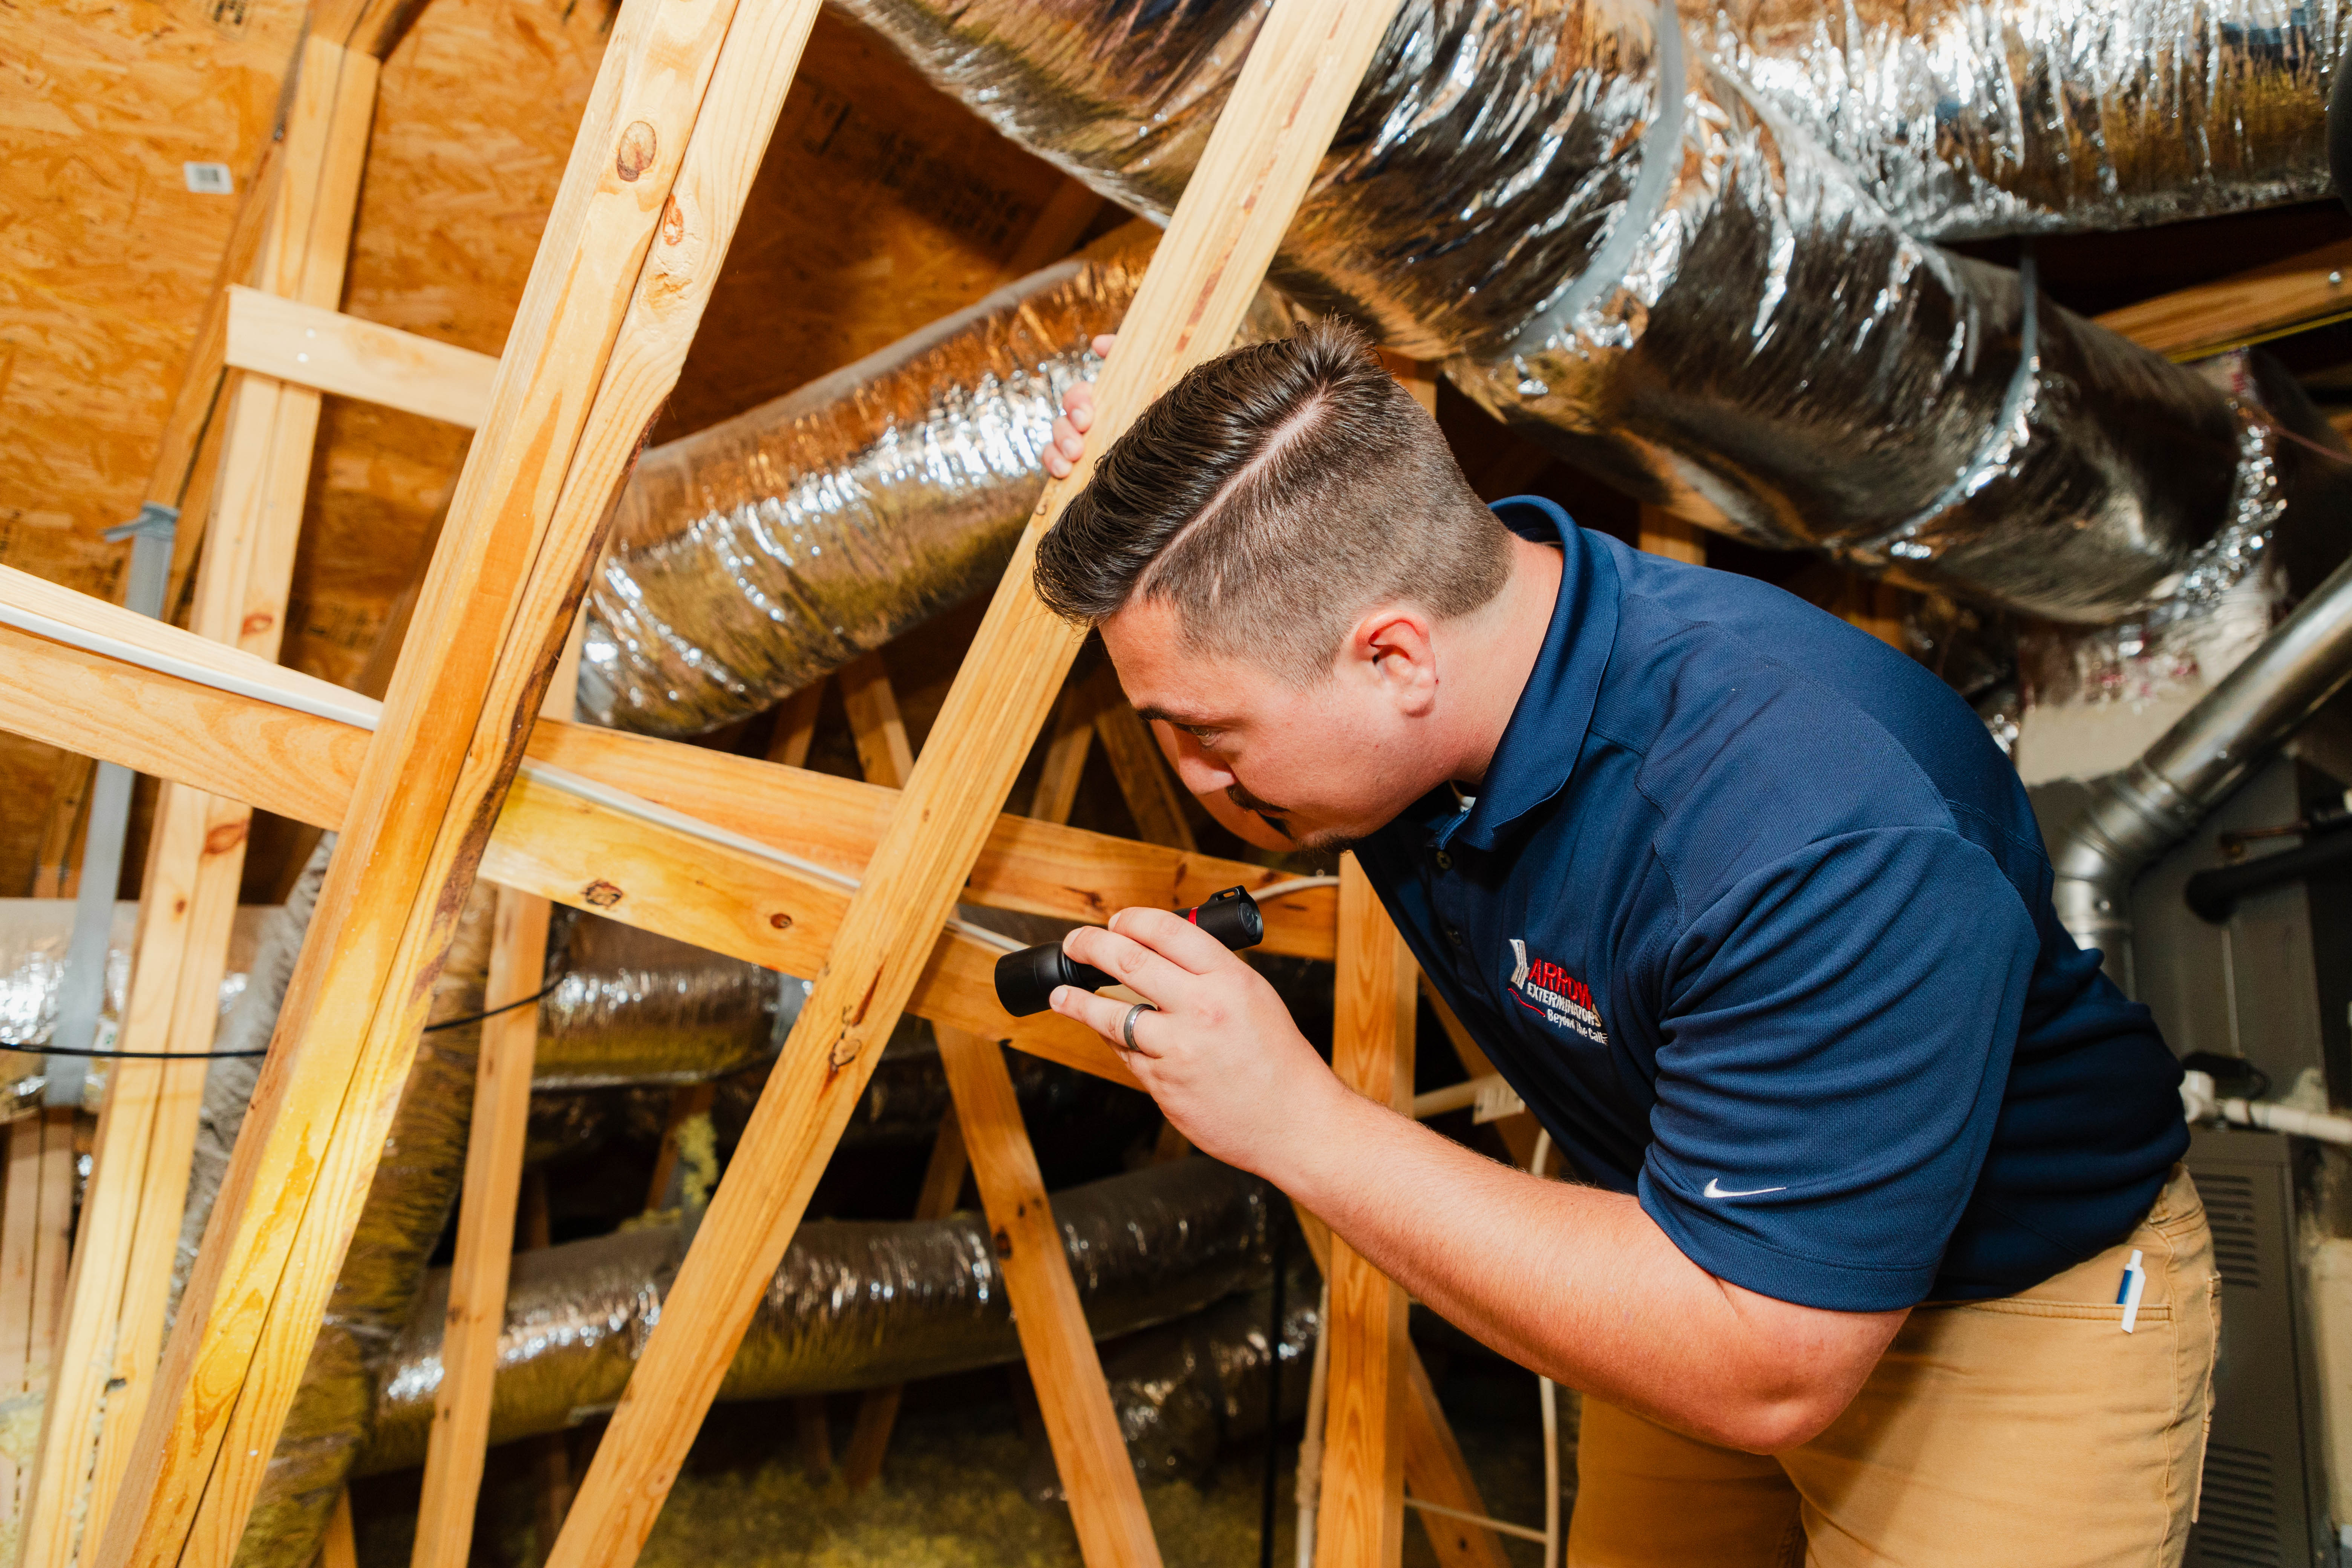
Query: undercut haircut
x=1272 y=496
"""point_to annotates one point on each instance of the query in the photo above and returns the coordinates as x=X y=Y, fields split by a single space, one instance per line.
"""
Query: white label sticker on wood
x=209 y=179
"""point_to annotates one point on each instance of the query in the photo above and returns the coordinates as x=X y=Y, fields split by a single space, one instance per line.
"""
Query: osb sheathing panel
x=105 y=255
x=882 y=206
x=475 y=116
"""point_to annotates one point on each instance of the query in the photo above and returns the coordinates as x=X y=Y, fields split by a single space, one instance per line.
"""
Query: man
x=1753 y=914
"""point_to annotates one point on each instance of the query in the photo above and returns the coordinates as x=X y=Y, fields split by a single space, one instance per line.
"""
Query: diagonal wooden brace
x=1300 y=76
x=673 y=133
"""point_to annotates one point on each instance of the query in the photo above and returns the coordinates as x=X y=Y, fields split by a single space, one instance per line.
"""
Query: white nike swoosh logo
x=1714 y=1189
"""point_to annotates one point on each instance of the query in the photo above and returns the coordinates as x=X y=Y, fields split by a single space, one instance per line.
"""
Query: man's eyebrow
x=1182 y=721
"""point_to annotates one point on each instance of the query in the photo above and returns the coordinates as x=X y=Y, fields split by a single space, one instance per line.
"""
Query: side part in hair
x=1273 y=495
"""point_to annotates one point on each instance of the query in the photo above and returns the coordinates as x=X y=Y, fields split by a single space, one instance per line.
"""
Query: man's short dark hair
x=1273 y=496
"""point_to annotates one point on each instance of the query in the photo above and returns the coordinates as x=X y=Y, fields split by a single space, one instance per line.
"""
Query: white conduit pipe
x=1309 y=1484
x=1547 y=1394
x=323 y=700
x=2201 y=1104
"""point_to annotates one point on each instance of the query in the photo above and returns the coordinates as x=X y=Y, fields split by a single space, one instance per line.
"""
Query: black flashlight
x=1026 y=980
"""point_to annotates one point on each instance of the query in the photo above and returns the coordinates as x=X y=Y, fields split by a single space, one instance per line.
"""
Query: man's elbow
x=1778 y=1422
x=1794 y=1373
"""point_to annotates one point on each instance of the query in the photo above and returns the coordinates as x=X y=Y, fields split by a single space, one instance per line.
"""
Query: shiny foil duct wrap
x=853 y=1305
x=407 y=1208
x=34 y=936
x=1626 y=248
x=750 y=558
x=1967 y=120
x=1186 y=1390
x=631 y=1006
x=753 y=557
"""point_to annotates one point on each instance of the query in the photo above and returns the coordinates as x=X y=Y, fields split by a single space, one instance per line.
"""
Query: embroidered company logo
x=1545 y=988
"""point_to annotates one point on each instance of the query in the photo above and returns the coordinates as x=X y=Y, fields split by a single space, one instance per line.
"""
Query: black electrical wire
x=539 y=995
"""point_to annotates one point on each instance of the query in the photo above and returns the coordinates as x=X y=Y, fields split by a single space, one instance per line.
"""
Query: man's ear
x=1392 y=645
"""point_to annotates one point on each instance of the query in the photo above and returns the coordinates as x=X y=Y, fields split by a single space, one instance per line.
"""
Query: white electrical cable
x=1548 y=1394
x=1296 y=885
x=1500 y=1527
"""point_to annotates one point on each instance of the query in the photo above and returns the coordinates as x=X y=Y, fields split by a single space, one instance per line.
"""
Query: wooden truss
x=450 y=775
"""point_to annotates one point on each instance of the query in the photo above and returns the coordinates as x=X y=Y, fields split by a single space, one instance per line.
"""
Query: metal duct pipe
x=2137 y=815
x=755 y=557
x=1626 y=233
x=630 y=1003
x=752 y=557
x=853 y=1305
x=1630 y=251
x=1965 y=121
x=631 y=1007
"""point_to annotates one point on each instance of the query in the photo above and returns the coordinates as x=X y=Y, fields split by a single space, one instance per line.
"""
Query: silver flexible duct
x=750 y=557
x=2137 y=815
x=1965 y=121
x=33 y=936
x=755 y=557
x=631 y=1006
x=1632 y=254
x=853 y=1305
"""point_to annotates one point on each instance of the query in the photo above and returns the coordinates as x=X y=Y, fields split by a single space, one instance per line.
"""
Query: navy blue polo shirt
x=1755 y=916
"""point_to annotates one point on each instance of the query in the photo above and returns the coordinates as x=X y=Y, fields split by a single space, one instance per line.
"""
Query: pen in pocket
x=2129 y=1293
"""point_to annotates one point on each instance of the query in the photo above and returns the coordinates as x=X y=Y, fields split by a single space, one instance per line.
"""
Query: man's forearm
x=1575 y=1282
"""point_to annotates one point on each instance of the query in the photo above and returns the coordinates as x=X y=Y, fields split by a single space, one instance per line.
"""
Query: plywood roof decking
x=105 y=255
x=882 y=206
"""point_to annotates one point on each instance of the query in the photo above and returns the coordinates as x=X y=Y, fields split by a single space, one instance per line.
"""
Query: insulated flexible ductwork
x=755 y=557
x=852 y=1306
x=2046 y=116
x=1625 y=240
x=630 y=1003
x=33 y=936
x=759 y=553
x=629 y=1008
x=2137 y=815
x=1633 y=254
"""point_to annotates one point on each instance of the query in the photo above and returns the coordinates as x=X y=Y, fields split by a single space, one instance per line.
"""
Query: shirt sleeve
x=1835 y=1041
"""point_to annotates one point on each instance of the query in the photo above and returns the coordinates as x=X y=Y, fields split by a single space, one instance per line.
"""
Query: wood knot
x=673 y=227
x=638 y=146
x=1003 y=1244
x=259 y=621
x=225 y=837
x=600 y=894
x=781 y=920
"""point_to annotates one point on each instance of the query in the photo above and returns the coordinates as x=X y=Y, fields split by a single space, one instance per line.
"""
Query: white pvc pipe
x=2199 y=1103
x=1309 y=1486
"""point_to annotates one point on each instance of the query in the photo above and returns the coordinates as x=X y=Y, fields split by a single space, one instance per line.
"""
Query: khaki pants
x=2028 y=1432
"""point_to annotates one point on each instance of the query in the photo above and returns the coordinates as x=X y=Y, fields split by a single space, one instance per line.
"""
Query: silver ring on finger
x=1127 y=1026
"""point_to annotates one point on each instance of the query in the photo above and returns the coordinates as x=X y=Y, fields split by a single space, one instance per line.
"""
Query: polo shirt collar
x=1540 y=744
